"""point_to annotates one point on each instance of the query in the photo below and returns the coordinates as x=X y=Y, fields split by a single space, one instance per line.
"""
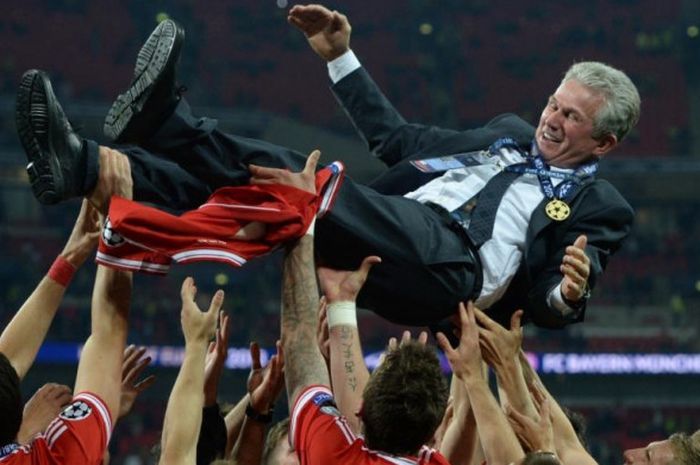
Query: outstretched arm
x=304 y=364
x=387 y=133
x=349 y=374
x=100 y=367
x=459 y=441
x=264 y=386
x=497 y=438
x=183 y=416
x=21 y=339
x=501 y=350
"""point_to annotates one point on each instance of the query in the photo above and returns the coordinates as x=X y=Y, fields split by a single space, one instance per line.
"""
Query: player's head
x=404 y=400
x=10 y=402
x=592 y=110
x=679 y=449
x=277 y=450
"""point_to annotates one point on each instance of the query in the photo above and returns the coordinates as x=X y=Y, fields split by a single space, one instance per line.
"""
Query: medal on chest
x=557 y=210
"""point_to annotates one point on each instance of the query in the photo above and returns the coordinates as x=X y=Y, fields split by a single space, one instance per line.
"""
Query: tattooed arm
x=304 y=364
x=348 y=370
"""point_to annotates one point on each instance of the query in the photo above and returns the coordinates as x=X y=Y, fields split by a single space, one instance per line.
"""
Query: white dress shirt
x=502 y=253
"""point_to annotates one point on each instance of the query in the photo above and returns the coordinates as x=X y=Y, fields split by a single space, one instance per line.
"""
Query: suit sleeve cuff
x=342 y=66
x=556 y=301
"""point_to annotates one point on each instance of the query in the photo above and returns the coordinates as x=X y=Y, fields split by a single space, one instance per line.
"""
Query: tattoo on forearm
x=304 y=363
x=346 y=342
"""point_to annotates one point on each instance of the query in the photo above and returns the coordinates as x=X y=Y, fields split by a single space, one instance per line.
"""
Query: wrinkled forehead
x=574 y=95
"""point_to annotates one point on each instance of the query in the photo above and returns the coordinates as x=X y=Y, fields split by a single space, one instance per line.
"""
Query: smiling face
x=656 y=453
x=565 y=131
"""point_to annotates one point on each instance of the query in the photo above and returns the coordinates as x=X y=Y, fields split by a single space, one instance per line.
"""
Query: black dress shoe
x=152 y=94
x=57 y=162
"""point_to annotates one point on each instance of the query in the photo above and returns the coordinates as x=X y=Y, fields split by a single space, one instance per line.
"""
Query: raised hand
x=465 y=360
x=406 y=337
x=198 y=326
x=576 y=267
x=534 y=435
x=343 y=286
x=499 y=345
x=265 y=384
x=84 y=236
x=114 y=179
x=41 y=409
x=304 y=180
x=328 y=32
x=132 y=368
x=215 y=361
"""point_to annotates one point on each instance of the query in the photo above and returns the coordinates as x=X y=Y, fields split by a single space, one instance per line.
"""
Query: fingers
x=255 y=356
x=145 y=383
x=280 y=352
x=216 y=303
x=367 y=264
x=423 y=338
x=444 y=344
x=393 y=343
x=484 y=320
x=224 y=331
x=515 y=320
x=581 y=241
x=188 y=289
x=312 y=162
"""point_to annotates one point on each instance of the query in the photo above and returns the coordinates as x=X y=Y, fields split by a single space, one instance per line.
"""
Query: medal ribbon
x=536 y=165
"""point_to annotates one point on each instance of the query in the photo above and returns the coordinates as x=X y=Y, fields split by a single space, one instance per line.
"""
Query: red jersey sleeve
x=78 y=435
x=318 y=432
x=81 y=432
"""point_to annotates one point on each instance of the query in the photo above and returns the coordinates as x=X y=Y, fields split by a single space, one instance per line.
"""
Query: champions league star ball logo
x=76 y=411
x=111 y=237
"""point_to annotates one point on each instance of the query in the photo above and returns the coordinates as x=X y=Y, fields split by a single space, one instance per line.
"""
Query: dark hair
x=405 y=400
x=10 y=402
x=541 y=458
x=276 y=434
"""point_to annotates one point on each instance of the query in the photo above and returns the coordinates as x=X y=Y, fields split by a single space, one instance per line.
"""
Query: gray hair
x=686 y=448
x=620 y=112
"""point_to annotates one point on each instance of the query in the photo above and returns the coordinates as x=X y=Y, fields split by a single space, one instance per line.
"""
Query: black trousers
x=427 y=266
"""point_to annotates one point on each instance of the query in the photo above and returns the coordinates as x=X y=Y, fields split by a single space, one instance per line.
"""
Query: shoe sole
x=152 y=59
x=32 y=120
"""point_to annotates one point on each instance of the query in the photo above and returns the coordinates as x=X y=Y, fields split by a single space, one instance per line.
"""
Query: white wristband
x=312 y=227
x=342 y=314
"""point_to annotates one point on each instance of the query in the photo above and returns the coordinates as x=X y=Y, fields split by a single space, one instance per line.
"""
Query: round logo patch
x=110 y=236
x=76 y=411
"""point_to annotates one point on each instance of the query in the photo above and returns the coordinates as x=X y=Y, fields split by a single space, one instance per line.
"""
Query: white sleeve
x=556 y=301
x=342 y=66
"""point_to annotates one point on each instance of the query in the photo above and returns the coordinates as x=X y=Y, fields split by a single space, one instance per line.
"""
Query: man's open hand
x=328 y=32
x=304 y=180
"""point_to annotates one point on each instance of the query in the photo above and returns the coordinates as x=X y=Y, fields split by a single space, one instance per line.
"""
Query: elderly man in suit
x=507 y=215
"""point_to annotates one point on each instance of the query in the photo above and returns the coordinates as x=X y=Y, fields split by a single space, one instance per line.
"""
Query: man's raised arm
x=21 y=339
x=304 y=364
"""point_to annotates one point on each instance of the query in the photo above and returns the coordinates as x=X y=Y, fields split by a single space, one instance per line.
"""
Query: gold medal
x=557 y=209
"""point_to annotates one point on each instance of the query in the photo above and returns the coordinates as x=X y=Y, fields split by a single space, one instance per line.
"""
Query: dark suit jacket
x=597 y=208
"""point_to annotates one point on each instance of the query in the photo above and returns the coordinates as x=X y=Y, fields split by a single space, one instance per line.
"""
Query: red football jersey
x=79 y=435
x=141 y=238
x=320 y=435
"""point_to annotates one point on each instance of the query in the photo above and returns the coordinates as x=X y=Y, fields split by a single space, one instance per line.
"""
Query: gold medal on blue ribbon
x=557 y=209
